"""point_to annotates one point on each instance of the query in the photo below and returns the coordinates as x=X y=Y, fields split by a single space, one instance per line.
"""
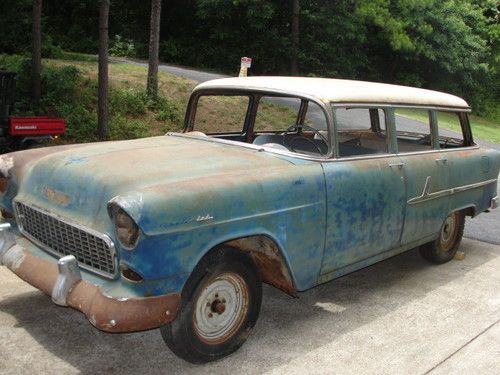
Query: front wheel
x=220 y=305
x=444 y=248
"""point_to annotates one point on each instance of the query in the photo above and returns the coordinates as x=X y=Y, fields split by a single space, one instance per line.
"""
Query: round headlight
x=127 y=230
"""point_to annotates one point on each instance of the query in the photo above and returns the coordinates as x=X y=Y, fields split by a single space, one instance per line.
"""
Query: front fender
x=182 y=221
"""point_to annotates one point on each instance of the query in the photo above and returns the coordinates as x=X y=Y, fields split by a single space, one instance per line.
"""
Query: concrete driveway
x=401 y=316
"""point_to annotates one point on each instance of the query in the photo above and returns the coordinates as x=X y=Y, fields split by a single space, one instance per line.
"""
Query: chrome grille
x=92 y=250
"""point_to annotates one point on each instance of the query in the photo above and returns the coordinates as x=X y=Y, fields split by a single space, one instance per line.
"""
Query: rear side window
x=360 y=131
x=413 y=128
x=353 y=118
x=450 y=130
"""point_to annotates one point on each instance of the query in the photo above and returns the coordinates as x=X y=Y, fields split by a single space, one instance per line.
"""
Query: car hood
x=77 y=182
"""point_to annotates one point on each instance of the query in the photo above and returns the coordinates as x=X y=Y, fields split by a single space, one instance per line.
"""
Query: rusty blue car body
x=304 y=216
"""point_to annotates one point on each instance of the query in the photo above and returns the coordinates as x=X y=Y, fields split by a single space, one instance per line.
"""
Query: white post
x=246 y=63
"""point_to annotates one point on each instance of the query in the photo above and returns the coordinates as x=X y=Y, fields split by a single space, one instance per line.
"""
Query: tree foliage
x=450 y=45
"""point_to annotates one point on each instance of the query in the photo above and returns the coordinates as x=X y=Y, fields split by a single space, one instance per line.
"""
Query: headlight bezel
x=127 y=231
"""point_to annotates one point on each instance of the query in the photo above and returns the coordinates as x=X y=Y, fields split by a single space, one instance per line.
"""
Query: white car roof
x=339 y=90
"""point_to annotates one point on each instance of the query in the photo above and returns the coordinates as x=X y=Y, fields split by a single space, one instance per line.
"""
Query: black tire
x=225 y=273
x=444 y=248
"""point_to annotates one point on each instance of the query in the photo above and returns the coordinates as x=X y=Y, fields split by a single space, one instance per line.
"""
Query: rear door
x=426 y=173
x=366 y=195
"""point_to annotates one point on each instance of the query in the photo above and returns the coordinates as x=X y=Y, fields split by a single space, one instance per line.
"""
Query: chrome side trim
x=427 y=195
x=47 y=249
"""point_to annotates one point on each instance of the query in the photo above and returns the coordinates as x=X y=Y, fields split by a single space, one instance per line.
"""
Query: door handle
x=398 y=165
x=443 y=160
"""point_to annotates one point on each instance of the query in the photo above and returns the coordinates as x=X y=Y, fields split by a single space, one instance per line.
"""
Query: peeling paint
x=56 y=196
x=14 y=257
x=6 y=164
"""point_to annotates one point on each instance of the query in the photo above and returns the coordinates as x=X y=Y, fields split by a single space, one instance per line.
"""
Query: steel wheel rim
x=448 y=232
x=221 y=308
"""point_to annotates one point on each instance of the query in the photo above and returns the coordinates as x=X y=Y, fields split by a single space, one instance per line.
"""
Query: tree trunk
x=36 y=65
x=294 y=66
x=102 y=113
x=154 y=46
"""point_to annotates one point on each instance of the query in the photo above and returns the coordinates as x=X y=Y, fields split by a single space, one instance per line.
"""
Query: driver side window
x=291 y=124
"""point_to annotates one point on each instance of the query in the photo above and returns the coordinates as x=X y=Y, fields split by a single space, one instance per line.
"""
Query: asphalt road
x=400 y=316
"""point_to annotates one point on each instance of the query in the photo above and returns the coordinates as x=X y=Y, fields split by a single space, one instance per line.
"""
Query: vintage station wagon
x=288 y=181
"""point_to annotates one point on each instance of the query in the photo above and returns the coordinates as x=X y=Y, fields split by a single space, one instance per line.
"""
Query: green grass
x=483 y=129
x=75 y=56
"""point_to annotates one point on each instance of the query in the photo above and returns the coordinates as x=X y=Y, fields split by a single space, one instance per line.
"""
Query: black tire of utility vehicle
x=444 y=248
x=224 y=282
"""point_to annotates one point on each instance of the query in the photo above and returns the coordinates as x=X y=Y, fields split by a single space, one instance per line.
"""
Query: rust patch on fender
x=56 y=196
x=270 y=264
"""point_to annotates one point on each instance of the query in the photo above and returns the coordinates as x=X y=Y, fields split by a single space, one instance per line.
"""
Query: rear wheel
x=444 y=248
x=220 y=305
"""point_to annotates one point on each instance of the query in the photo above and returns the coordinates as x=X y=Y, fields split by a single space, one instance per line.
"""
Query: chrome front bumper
x=12 y=255
x=64 y=283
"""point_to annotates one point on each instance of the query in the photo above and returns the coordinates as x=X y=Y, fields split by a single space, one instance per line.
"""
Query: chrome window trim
x=312 y=158
x=475 y=147
x=427 y=195
x=109 y=242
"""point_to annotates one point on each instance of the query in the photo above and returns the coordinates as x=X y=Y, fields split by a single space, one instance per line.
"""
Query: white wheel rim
x=221 y=308
x=448 y=231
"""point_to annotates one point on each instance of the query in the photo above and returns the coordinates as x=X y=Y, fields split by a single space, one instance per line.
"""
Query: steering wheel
x=307 y=127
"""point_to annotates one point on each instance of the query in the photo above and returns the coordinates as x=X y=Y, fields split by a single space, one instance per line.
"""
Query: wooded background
x=448 y=45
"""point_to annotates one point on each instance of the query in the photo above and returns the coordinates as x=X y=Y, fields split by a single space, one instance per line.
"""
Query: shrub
x=122 y=128
x=127 y=102
x=20 y=64
x=49 y=49
x=122 y=47
x=59 y=85
x=81 y=122
x=169 y=111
